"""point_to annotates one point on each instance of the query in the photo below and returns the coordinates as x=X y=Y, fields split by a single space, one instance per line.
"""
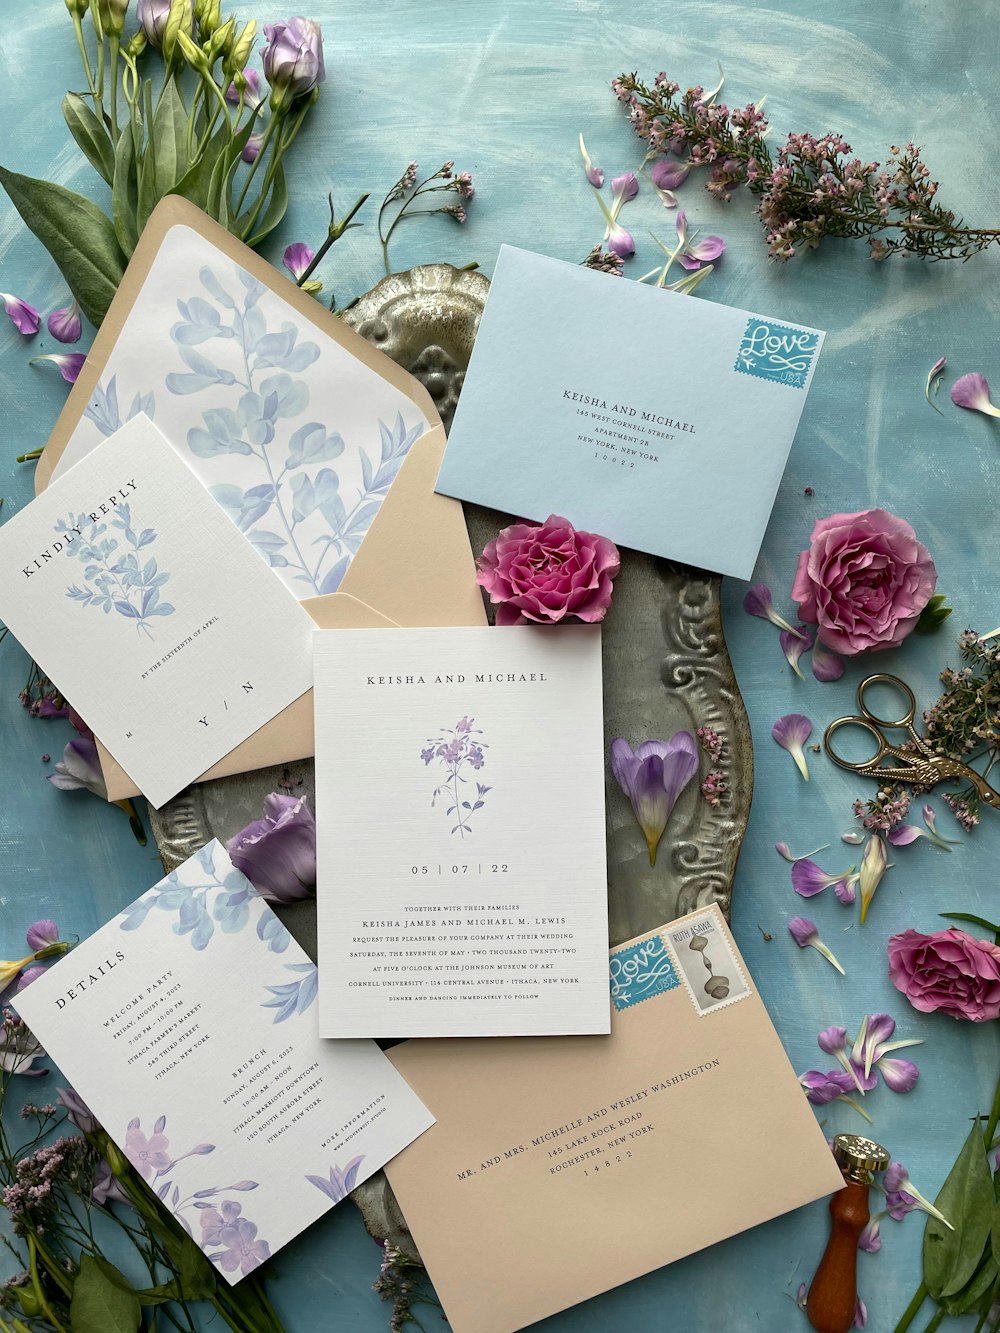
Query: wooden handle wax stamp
x=834 y=1292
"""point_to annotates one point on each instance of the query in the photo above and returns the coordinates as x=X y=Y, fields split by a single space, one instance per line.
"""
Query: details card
x=556 y=1156
x=679 y=454
x=188 y=1026
x=460 y=832
x=151 y=612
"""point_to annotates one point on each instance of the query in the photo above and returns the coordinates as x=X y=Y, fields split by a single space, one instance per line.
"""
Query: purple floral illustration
x=236 y=1235
x=150 y=1153
x=457 y=749
x=342 y=1180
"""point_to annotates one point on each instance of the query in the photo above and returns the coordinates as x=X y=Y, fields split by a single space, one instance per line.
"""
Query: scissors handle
x=864 y=724
x=884 y=678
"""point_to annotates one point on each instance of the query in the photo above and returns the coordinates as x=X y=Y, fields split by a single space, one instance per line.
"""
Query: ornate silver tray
x=666 y=668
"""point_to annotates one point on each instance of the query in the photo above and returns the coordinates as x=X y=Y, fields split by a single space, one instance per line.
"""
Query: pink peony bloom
x=948 y=972
x=864 y=581
x=542 y=573
x=278 y=853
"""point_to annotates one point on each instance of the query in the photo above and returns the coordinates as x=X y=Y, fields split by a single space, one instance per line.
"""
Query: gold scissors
x=918 y=765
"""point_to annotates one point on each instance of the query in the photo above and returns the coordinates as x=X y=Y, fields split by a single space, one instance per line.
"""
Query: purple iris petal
x=903 y=834
x=826 y=665
x=895 y=1177
x=865 y=1082
x=66 y=325
x=823 y=1088
x=808 y=878
x=832 y=1039
x=708 y=249
x=847 y=890
x=41 y=933
x=757 y=601
x=625 y=187
x=972 y=391
x=23 y=316
x=667 y=175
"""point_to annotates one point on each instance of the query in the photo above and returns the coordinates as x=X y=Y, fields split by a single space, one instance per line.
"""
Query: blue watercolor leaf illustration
x=112 y=576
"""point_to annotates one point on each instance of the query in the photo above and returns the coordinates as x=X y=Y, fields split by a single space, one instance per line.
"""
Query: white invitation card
x=151 y=612
x=188 y=1026
x=462 y=874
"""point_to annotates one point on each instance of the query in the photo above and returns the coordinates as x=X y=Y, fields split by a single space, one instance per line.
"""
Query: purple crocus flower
x=297 y=258
x=691 y=254
x=69 y=364
x=794 y=642
x=65 y=325
x=23 y=316
x=79 y=767
x=293 y=60
x=971 y=391
x=594 y=174
x=278 y=853
x=791 y=732
x=653 y=777
x=758 y=601
x=826 y=665
x=804 y=933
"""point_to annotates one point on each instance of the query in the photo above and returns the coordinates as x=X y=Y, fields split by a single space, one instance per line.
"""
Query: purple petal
x=832 y=1039
x=41 y=933
x=594 y=174
x=23 y=316
x=846 y=890
x=620 y=242
x=783 y=849
x=895 y=1178
x=826 y=665
x=899 y=1075
x=757 y=601
x=667 y=175
x=791 y=732
x=808 y=878
x=679 y=765
x=903 y=834
x=860 y=1314
x=681 y=226
x=793 y=644
x=937 y=367
x=66 y=325
x=973 y=391
x=649 y=801
x=686 y=261
x=803 y=931
x=708 y=249
x=79 y=767
x=297 y=258
x=69 y=364
x=870 y=1241
x=623 y=764
x=252 y=147
x=29 y=975
x=625 y=187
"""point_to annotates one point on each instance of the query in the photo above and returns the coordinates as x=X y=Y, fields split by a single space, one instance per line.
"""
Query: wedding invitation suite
x=678 y=451
x=150 y=611
x=188 y=1026
x=462 y=880
x=577 y=1166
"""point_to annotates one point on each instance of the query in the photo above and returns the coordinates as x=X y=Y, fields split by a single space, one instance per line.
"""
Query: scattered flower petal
x=874 y=864
x=65 y=325
x=972 y=391
x=853 y=836
x=860 y=1314
x=784 y=850
x=794 y=642
x=667 y=175
x=826 y=665
x=847 y=890
x=791 y=732
x=932 y=375
x=594 y=174
x=69 y=364
x=757 y=601
x=899 y=1075
x=297 y=258
x=822 y=1089
x=693 y=254
x=624 y=188
x=42 y=933
x=23 y=316
x=903 y=1197
x=808 y=878
x=804 y=933
x=619 y=241
x=80 y=766
x=653 y=777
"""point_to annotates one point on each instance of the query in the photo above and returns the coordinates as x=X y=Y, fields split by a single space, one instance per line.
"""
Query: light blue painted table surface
x=505 y=88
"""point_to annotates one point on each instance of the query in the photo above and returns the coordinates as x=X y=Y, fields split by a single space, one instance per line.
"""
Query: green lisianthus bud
x=113 y=16
x=221 y=41
x=30 y=1305
x=237 y=57
x=136 y=45
x=77 y=8
x=209 y=16
x=179 y=20
x=192 y=53
x=116 y=1160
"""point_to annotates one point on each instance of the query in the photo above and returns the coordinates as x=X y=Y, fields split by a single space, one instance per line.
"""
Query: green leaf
x=78 y=236
x=934 y=614
x=125 y=192
x=273 y=213
x=170 y=133
x=972 y=920
x=91 y=135
x=197 y=180
x=972 y=1293
x=100 y=1304
x=966 y=1200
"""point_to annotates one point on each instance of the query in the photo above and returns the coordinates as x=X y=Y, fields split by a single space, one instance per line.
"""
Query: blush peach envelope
x=415 y=564
x=560 y=1167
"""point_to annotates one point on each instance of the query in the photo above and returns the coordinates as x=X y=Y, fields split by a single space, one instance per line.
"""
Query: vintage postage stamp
x=705 y=960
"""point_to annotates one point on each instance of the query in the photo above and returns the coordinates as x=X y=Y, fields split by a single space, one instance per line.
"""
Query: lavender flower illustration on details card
x=116 y=577
x=342 y=1180
x=457 y=749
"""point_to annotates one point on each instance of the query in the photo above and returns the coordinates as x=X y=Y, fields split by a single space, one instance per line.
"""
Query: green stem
x=115 y=45
x=991 y=1124
x=936 y=1319
x=78 y=28
x=910 y=1313
x=29 y=457
x=336 y=231
x=268 y=131
x=36 y=1286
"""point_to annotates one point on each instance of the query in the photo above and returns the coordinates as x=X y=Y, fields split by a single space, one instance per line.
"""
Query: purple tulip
x=278 y=853
x=65 y=325
x=293 y=60
x=80 y=767
x=69 y=364
x=23 y=316
x=971 y=391
x=791 y=732
x=653 y=777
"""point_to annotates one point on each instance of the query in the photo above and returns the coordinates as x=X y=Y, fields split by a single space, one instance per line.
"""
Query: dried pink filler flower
x=973 y=391
x=542 y=573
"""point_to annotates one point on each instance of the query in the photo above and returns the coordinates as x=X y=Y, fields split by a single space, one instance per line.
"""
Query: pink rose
x=864 y=581
x=542 y=573
x=948 y=971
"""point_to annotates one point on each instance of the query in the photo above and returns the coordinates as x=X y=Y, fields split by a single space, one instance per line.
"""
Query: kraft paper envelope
x=580 y=1163
x=414 y=565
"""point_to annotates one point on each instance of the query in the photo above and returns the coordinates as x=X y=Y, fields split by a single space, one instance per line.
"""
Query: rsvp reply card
x=188 y=1026
x=151 y=612
x=460 y=832
x=580 y=1165
x=677 y=450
